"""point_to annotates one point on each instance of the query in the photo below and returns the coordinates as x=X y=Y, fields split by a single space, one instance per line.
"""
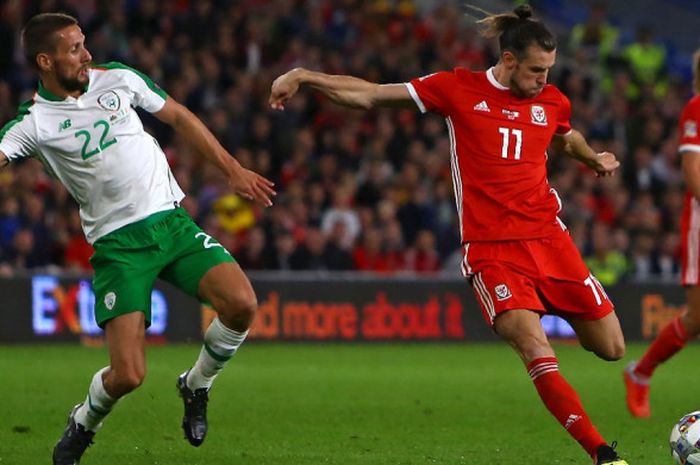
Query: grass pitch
x=287 y=404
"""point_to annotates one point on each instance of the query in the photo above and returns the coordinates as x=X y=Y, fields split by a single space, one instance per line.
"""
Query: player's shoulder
x=24 y=111
x=455 y=76
x=693 y=105
x=115 y=70
x=551 y=94
x=115 y=73
x=469 y=77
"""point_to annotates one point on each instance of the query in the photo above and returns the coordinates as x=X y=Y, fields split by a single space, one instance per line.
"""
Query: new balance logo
x=64 y=125
x=482 y=106
x=572 y=419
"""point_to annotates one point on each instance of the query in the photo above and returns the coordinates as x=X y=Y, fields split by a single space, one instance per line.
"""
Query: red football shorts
x=545 y=275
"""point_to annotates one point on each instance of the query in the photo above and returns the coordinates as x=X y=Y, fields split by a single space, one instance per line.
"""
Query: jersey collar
x=494 y=82
x=46 y=95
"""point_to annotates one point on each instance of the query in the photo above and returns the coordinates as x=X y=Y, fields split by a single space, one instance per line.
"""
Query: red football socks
x=670 y=340
x=563 y=402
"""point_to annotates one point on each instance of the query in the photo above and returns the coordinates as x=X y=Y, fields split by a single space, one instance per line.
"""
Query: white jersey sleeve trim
x=415 y=97
x=689 y=148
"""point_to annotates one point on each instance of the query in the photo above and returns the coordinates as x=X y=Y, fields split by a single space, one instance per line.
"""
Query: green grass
x=339 y=404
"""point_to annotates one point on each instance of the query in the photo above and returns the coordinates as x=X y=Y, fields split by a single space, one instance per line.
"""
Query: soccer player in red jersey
x=686 y=326
x=518 y=256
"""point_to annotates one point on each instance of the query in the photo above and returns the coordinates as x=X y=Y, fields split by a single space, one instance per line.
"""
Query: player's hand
x=283 y=88
x=252 y=186
x=605 y=164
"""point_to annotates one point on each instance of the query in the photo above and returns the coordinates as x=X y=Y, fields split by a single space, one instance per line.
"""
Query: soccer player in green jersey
x=82 y=125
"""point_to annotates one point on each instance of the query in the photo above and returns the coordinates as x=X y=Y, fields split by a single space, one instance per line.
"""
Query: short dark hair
x=517 y=30
x=39 y=34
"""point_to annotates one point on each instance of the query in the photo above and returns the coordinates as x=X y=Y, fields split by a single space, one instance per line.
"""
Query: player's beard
x=519 y=91
x=70 y=83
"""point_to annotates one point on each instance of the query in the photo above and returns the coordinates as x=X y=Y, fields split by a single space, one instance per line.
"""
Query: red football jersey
x=690 y=222
x=498 y=152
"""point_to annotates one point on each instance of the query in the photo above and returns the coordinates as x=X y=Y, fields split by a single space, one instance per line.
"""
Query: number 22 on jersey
x=103 y=144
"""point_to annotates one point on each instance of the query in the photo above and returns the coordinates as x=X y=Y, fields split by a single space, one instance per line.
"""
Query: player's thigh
x=499 y=288
x=203 y=268
x=123 y=282
x=602 y=336
x=568 y=288
x=229 y=291
x=691 y=316
x=193 y=259
x=521 y=328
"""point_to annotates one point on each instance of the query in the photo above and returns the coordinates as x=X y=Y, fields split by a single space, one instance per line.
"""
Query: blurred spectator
x=22 y=255
x=369 y=255
x=647 y=60
x=642 y=256
x=596 y=38
x=342 y=212
x=423 y=257
x=77 y=250
x=606 y=263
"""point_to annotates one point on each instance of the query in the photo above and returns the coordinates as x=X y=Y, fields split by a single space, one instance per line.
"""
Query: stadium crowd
x=357 y=191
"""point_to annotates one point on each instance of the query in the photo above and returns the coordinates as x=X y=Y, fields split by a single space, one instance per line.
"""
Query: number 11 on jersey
x=518 y=135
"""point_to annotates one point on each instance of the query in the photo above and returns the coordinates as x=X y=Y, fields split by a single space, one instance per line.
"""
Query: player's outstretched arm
x=3 y=160
x=574 y=145
x=245 y=182
x=344 y=90
x=690 y=164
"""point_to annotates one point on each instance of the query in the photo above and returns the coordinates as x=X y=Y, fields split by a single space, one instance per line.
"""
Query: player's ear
x=44 y=61
x=509 y=60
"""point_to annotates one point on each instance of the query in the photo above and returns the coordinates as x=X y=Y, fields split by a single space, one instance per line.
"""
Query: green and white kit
x=96 y=146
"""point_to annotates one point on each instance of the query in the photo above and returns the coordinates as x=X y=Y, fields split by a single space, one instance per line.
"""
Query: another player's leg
x=125 y=338
x=228 y=290
x=671 y=339
x=523 y=331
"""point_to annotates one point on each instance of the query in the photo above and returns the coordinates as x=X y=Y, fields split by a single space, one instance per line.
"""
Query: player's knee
x=238 y=309
x=128 y=379
x=691 y=323
x=532 y=347
x=612 y=351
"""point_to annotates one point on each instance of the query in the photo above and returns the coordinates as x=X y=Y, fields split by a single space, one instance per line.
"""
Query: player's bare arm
x=245 y=182
x=690 y=164
x=3 y=160
x=574 y=145
x=347 y=91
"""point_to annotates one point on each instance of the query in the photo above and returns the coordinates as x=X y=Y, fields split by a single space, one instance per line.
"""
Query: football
x=685 y=440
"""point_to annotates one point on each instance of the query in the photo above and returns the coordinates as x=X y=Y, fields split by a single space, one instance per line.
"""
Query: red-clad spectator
x=423 y=257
